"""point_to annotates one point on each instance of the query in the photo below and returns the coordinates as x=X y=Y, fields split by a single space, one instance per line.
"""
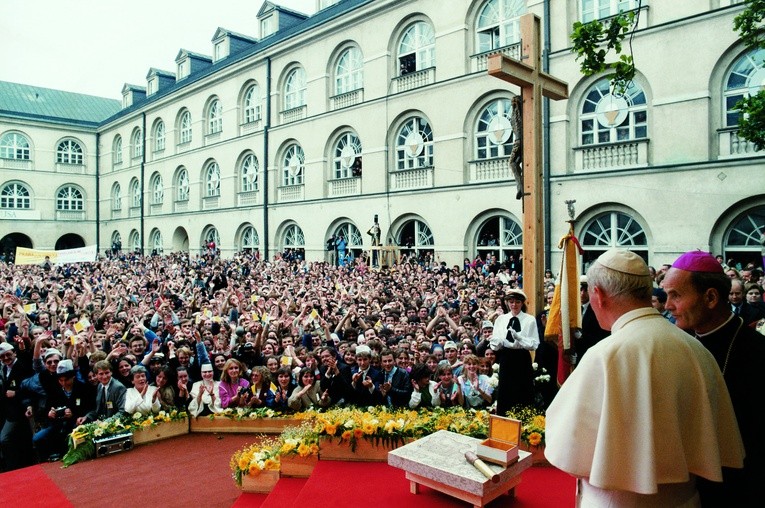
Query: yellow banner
x=26 y=256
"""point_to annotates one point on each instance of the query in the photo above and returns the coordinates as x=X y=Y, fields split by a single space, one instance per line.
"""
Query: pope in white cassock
x=647 y=409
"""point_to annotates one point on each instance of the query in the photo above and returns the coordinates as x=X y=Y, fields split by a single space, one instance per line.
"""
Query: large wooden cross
x=527 y=74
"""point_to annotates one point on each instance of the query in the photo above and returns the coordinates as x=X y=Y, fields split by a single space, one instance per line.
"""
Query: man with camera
x=69 y=402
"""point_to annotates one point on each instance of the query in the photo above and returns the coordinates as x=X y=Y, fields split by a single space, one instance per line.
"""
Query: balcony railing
x=181 y=206
x=345 y=187
x=411 y=179
x=248 y=127
x=70 y=214
x=211 y=203
x=70 y=168
x=415 y=79
x=291 y=193
x=16 y=163
x=731 y=145
x=134 y=211
x=294 y=114
x=489 y=170
x=346 y=99
x=247 y=198
x=116 y=213
x=480 y=61
x=624 y=154
x=155 y=208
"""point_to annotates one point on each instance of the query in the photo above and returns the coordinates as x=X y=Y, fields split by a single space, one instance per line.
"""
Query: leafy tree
x=749 y=25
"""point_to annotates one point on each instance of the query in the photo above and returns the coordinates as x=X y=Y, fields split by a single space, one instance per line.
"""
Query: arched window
x=248 y=174
x=211 y=234
x=135 y=194
x=14 y=145
x=117 y=150
x=599 y=9
x=415 y=239
x=137 y=141
x=116 y=241
x=159 y=136
x=613 y=229
x=215 y=117
x=347 y=156
x=15 y=195
x=417 y=49
x=182 y=185
x=69 y=151
x=155 y=242
x=742 y=240
x=212 y=180
x=184 y=128
x=157 y=190
x=353 y=238
x=414 y=145
x=293 y=236
x=294 y=89
x=608 y=118
x=494 y=134
x=501 y=237
x=69 y=198
x=250 y=240
x=348 y=71
x=746 y=78
x=251 y=110
x=134 y=240
x=497 y=25
x=116 y=197
x=293 y=165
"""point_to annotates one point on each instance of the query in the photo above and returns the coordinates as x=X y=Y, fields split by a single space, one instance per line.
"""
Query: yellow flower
x=244 y=463
x=368 y=429
x=303 y=450
x=330 y=429
x=314 y=449
x=271 y=464
x=535 y=438
x=346 y=435
x=254 y=469
x=358 y=433
x=538 y=422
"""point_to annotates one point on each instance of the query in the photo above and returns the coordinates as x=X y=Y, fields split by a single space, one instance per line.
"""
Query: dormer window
x=267 y=27
x=151 y=87
x=221 y=49
x=183 y=69
x=127 y=100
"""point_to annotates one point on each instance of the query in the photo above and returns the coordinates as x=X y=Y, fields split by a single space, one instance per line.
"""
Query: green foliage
x=751 y=124
x=594 y=41
x=749 y=25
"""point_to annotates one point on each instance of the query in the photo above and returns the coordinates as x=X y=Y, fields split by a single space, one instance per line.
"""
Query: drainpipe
x=98 y=196
x=266 y=127
x=143 y=169
x=546 y=140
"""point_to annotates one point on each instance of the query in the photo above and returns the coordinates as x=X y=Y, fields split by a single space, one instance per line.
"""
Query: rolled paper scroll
x=481 y=466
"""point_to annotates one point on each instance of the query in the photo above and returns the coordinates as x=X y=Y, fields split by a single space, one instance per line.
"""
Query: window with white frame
x=501 y=237
x=135 y=194
x=248 y=174
x=294 y=89
x=220 y=50
x=69 y=198
x=250 y=240
x=157 y=190
x=745 y=78
x=117 y=149
x=155 y=242
x=184 y=128
x=498 y=24
x=116 y=240
x=251 y=110
x=599 y=9
x=348 y=71
x=414 y=144
x=215 y=117
x=183 y=69
x=353 y=239
x=182 y=185
x=610 y=230
x=494 y=134
x=266 y=26
x=159 y=136
x=293 y=236
x=69 y=151
x=212 y=180
x=137 y=142
x=15 y=195
x=742 y=240
x=134 y=240
x=347 y=156
x=116 y=197
x=417 y=49
x=211 y=235
x=293 y=165
x=415 y=238
x=14 y=145
x=608 y=118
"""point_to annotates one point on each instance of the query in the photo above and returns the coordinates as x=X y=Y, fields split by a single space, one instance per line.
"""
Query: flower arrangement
x=301 y=440
x=82 y=447
x=532 y=424
x=248 y=413
x=261 y=456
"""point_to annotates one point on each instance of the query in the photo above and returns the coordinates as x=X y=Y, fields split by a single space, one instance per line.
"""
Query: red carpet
x=31 y=487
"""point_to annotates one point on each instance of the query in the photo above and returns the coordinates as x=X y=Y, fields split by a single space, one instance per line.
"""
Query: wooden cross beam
x=534 y=84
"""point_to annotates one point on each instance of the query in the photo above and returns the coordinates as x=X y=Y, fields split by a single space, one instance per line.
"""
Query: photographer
x=70 y=401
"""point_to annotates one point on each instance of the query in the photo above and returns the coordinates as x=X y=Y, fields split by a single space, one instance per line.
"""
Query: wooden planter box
x=366 y=451
x=229 y=425
x=262 y=483
x=295 y=466
x=161 y=431
x=537 y=454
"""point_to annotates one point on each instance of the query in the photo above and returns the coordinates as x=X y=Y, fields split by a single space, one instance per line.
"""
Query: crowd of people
x=135 y=333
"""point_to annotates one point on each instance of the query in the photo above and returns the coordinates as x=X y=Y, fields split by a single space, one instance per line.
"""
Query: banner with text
x=26 y=256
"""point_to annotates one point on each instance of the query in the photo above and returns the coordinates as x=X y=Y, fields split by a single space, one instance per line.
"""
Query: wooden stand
x=163 y=430
x=262 y=483
x=245 y=426
x=476 y=500
x=295 y=466
x=366 y=451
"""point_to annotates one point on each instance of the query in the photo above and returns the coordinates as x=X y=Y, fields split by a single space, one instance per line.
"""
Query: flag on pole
x=565 y=316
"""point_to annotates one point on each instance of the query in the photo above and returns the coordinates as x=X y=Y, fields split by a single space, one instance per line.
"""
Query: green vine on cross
x=595 y=40
x=749 y=25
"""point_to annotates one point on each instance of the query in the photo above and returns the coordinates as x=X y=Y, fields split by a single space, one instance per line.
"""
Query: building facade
x=313 y=125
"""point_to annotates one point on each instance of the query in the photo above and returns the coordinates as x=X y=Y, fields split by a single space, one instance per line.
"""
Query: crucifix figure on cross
x=534 y=84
